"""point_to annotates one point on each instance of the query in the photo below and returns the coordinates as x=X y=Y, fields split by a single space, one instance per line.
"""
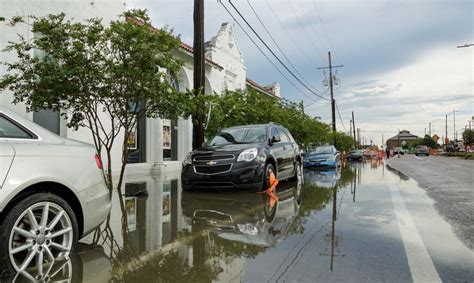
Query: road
x=450 y=182
x=361 y=223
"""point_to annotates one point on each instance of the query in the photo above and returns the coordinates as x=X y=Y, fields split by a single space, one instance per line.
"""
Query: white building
x=161 y=144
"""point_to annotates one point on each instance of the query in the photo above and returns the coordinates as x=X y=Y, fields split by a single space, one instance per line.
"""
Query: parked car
x=323 y=156
x=422 y=149
x=397 y=150
x=52 y=192
x=243 y=157
x=356 y=155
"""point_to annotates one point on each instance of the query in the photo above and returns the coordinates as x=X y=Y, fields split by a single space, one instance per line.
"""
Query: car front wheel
x=38 y=230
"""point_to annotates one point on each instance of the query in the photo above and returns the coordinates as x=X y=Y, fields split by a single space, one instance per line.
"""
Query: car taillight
x=98 y=161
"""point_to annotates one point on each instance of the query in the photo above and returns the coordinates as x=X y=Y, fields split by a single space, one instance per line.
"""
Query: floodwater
x=361 y=223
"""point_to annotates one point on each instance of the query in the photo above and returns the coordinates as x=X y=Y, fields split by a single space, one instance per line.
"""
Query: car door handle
x=284 y=148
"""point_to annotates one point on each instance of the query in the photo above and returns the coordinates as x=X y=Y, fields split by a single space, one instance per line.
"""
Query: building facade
x=402 y=138
x=158 y=144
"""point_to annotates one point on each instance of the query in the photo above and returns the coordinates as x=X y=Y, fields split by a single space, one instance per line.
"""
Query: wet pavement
x=362 y=223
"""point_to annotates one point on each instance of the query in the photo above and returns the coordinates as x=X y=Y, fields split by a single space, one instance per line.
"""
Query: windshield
x=240 y=135
x=322 y=150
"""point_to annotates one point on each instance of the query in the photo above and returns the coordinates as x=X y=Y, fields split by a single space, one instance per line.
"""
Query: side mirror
x=275 y=139
x=204 y=144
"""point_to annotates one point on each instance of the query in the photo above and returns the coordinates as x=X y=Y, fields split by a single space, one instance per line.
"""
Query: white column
x=189 y=138
x=158 y=142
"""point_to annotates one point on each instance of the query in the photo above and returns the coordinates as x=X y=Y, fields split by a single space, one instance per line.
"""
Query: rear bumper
x=242 y=176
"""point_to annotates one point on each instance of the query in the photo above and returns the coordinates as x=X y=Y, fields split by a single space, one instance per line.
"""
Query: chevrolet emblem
x=211 y=163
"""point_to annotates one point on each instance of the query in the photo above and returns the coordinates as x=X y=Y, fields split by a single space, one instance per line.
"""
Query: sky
x=402 y=68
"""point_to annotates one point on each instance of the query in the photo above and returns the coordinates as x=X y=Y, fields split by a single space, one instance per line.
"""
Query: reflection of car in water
x=242 y=217
x=323 y=156
x=323 y=178
x=88 y=264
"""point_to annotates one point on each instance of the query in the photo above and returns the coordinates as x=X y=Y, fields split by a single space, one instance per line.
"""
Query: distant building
x=401 y=139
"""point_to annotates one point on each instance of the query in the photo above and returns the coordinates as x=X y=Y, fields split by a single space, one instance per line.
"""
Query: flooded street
x=362 y=223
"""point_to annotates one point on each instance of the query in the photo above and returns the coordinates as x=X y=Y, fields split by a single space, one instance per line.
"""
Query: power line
x=342 y=122
x=324 y=29
x=273 y=53
x=292 y=39
x=311 y=25
x=278 y=46
x=304 y=30
x=263 y=53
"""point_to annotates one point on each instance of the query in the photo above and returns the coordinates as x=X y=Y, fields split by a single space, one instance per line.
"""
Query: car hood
x=227 y=148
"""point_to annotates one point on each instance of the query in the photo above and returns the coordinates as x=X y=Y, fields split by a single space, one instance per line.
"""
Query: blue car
x=323 y=156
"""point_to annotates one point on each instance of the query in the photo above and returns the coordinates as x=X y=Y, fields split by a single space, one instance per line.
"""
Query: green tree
x=250 y=107
x=100 y=76
x=468 y=137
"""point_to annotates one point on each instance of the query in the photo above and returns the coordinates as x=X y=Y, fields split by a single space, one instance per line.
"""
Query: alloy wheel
x=42 y=234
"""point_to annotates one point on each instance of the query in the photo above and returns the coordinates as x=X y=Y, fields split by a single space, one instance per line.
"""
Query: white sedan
x=52 y=193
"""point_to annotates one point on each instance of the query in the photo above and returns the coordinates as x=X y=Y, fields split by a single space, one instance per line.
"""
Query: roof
x=263 y=89
x=404 y=135
x=182 y=45
x=190 y=50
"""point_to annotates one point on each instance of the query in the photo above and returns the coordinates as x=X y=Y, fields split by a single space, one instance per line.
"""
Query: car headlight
x=248 y=155
x=187 y=160
x=248 y=229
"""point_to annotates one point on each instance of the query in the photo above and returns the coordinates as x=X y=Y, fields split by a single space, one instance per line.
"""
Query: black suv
x=242 y=158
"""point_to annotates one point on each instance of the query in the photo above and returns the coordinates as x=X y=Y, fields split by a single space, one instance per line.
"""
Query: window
x=9 y=129
x=275 y=133
x=289 y=135
x=240 y=135
x=283 y=136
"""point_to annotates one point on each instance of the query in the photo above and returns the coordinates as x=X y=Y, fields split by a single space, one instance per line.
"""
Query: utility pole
x=333 y=102
x=358 y=138
x=198 y=76
x=350 y=127
x=455 y=137
x=446 y=135
x=354 y=129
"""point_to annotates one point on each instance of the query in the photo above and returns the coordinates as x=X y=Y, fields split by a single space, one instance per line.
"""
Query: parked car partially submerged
x=422 y=150
x=52 y=192
x=323 y=156
x=397 y=150
x=243 y=157
x=356 y=155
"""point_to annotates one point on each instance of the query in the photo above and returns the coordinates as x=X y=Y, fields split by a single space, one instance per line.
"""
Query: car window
x=9 y=129
x=283 y=136
x=323 y=150
x=288 y=134
x=275 y=133
x=239 y=135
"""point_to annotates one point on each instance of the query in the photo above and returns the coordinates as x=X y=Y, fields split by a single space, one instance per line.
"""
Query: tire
x=295 y=177
x=64 y=233
x=416 y=154
x=266 y=176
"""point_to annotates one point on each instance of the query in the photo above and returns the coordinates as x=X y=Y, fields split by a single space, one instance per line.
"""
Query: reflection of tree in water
x=168 y=267
x=315 y=198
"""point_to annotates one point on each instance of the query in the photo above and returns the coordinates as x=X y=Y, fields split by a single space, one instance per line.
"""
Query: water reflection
x=157 y=232
x=328 y=183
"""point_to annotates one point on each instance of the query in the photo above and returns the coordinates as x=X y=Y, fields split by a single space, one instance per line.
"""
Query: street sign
x=404 y=142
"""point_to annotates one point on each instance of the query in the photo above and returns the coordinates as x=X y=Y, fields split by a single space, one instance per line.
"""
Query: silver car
x=52 y=193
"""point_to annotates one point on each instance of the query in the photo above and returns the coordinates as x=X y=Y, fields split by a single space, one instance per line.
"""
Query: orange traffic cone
x=271 y=191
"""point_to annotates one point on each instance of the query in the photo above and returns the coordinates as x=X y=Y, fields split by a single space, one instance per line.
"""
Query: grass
x=465 y=155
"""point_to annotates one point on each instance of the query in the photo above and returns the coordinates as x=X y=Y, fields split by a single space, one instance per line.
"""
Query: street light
x=433 y=122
